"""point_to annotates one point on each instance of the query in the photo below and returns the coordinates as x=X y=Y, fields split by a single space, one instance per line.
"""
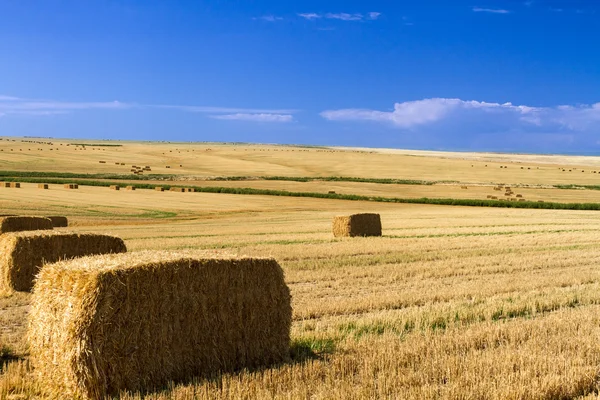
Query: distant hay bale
x=115 y=187
x=6 y=184
x=489 y=196
x=494 y=197
x=519 y=195
x=522 y=200
x=21 y=223
x=102 y=162
x=136 y=321
x=331 y=192
x=42 y=186
x=177 y=189
x=168 y=166
x=22 y=254
x=357 y=225
x=130 y=188
x=59 y=221
x=15 y=185
x=71 y=186
x=189 y=189
x=464 y=187
x=159 y=189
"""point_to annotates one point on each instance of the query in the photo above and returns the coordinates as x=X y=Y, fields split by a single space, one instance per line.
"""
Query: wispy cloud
x=10 y=105
x=255 y=117
x=309 y=16
x=373 y=15
x=491 y=10
x=429 y=112
x=269 y=18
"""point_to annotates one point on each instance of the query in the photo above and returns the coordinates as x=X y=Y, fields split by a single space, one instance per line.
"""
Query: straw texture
x=20 y=223
x=137 y=320
x=22 y=254
x=357 y=225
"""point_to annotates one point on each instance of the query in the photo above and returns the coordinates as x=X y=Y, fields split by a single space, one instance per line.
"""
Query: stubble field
x=452 y=302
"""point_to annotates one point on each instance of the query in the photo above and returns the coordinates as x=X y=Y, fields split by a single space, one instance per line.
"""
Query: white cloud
x=310 y=16
x=10 y=105
x=270 y=18
x=491 y=10
x=255 y=117
x=344 y=16
x=412 y=114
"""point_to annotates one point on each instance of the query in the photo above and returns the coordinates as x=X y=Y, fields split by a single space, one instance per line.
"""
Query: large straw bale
x=42 y=186
x=59 y=221
x=20 y=223
x=136 y=321
x=357 y=225
x=22 y=254
x=15 y=185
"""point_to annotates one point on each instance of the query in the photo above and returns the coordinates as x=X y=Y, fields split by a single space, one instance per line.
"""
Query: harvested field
x=22 y=254
x=450 y=303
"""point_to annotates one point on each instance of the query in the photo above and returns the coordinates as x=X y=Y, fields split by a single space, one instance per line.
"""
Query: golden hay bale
x=331 y=192
x=15 y=185
x=177 y=189
x=519 y=195
x=19 y=223
x=22 y=254
x=130 y=188
x=6 y=184
x=189 y=189
x=159 y=189
x=136 y=321
x=357 y=225
x=115 y=187
x=42 y=186
x=59 y=221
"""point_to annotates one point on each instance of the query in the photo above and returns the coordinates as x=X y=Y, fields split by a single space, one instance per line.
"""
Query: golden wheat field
x=450 y=303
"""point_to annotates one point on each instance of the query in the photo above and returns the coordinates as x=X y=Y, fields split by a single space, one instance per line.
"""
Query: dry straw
x=22 y=254
x=136 y=321
x=15 y=185
x=59 y=221
x=159 y=189
x=115 y=187
x=6 y=184
x=357 y=225
x=130 y=188
x=42 y=186
x=20 y=223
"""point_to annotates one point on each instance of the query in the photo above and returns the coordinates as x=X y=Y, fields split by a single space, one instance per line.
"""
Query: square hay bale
x=6 y=184
x=357 y=225
x=178 y=189
x=22 y=254
x=115 y=187
x=130 y=188
x=20 y=223
x=42 y=186
x=15 y=185
x=59 y=221
x=136 y=321
x=159 y=189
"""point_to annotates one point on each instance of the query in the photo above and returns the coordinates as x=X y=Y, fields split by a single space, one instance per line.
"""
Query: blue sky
x=493 y=75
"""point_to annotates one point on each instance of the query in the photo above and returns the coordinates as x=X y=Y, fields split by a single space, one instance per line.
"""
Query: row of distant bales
x=17 y=185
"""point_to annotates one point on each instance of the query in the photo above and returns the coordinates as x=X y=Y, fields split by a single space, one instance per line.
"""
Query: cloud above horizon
x=10 y=105
x=342 y=16
x=255 y=117
x=476 y=115
x=491 y=10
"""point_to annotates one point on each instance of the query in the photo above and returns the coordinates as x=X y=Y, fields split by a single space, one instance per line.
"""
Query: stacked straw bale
x=22 y=254
x=59 y=221
x=19 y=223
x=136 y=321
x=357 y=225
